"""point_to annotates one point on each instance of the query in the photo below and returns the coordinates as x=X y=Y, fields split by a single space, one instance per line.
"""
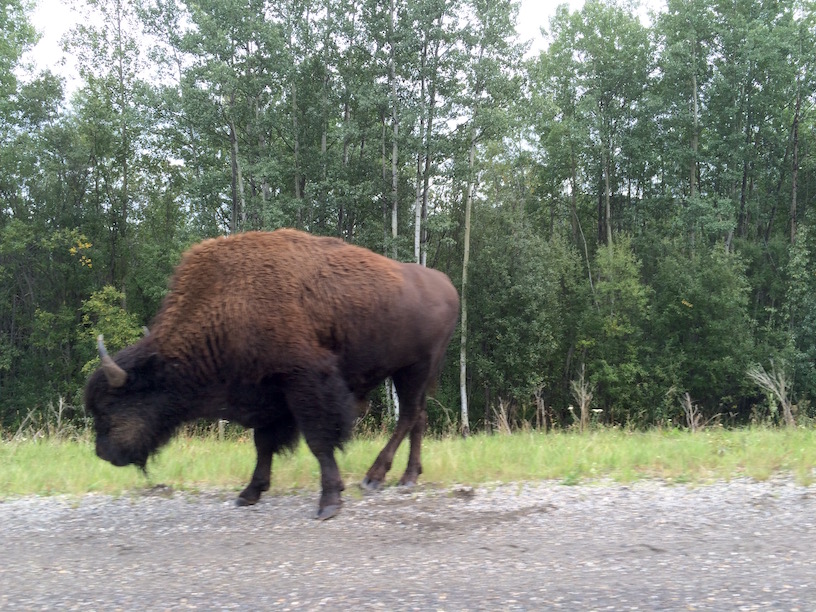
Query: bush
x=701 y=334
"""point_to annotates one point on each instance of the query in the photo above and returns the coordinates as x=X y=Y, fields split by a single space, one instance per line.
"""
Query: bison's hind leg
x=414 y=467
x=268 y=441
x=411 y=383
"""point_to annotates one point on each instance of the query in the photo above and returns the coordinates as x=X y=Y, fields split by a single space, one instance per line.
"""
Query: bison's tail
x=436 y=367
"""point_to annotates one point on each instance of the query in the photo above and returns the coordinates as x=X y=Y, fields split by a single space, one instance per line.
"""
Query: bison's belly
x=255 y=405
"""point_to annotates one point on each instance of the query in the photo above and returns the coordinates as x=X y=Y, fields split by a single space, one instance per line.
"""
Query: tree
x=520 y=307
x=612 y=334
x=614 y=81
x=436 y=44
x=703 y=342
x=18 y=35
x=560 y=132
x=686 y=36
x=631 y=204
x=491 y=83
x=801 y=315
x=753 y=81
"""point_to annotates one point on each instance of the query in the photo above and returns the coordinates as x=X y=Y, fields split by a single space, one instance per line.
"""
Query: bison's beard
x=121 y=455
x=118 y=456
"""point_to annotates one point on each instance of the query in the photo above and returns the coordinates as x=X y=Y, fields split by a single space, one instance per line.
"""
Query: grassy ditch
x=51 y=466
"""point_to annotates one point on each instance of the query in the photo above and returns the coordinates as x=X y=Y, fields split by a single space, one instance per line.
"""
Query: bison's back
x=278 y=300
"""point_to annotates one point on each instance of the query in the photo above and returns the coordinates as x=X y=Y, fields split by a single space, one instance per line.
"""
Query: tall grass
x=47 y=466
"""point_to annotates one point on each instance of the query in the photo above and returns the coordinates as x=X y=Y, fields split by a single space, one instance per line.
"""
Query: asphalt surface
x=740 y=545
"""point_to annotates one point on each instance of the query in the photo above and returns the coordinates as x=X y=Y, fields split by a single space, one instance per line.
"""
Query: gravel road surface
x=740 y=545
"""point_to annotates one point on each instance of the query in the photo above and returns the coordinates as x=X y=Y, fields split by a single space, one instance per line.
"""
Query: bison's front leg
x=325 y=416
x=331 y=485
x=265 y=447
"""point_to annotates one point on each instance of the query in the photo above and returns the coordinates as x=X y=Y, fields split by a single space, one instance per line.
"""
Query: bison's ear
x=116 y=376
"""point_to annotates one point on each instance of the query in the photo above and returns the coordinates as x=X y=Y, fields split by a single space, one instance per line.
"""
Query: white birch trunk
x=465 y=262
x=392 y=77
x=419 y=182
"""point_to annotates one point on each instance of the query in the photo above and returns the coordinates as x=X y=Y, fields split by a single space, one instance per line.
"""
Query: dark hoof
x=370 y=485
x=243 y=501
x=327 y=512
x=408 y=484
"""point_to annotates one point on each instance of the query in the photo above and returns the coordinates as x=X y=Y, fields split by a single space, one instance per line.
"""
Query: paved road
x=727 y=546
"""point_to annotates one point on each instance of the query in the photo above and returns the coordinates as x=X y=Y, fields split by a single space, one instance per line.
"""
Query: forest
x=629 y=214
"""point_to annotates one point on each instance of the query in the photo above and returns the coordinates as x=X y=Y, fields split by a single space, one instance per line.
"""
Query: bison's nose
x=104 y=451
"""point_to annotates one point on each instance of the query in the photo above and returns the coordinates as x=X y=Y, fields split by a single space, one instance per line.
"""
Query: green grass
x=52 y=466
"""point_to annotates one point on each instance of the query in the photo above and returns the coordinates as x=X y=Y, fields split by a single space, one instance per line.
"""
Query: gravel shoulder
x=740 y=545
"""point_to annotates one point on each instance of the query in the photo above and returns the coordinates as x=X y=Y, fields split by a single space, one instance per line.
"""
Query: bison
x=285 y=333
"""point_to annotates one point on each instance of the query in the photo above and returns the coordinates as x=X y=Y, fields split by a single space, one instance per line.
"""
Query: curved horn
x=116 y=376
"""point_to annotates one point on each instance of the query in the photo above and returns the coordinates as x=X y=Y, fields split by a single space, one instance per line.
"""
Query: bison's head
x=129 y=402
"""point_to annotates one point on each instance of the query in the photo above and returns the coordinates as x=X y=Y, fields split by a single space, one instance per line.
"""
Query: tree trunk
x=695 y=136
x=426 y=180
x=601 y=232
x=795 y=171
x=607 y=198
x=384 y=183
x=465 y=262
x=394 y=192
x=574 y=194
x=742 y=219
x=324 y=121
x=392 y=77
x=426 y=173
x=418 y=212
x=392 y=390
x=124 y=147
x=779 y=182
x=324 y=138
x=237 y=183
x=346 y=143
x=296 y=149
x=419 y=181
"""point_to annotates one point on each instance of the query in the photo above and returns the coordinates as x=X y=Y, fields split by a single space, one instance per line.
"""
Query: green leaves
x=703 y=336
x=633 y=188
x=18 y=35
x=104 y=313
x=519 y=316
x=613 y=331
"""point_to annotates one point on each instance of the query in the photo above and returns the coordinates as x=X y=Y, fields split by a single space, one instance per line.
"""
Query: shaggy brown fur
x=285 y=333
